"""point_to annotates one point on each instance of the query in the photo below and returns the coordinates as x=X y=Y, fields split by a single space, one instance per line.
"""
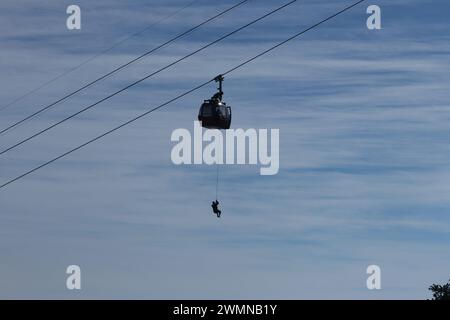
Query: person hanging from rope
x=215 y=207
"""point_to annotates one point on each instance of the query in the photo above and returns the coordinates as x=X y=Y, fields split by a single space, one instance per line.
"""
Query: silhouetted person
x=216 y=210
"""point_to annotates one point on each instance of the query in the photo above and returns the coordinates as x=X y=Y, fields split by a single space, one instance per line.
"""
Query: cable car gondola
x=214 y=113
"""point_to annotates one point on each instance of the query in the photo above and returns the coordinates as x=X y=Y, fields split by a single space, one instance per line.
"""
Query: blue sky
x=364 y=174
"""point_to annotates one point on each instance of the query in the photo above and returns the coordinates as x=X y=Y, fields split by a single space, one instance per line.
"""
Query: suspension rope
x=146 y=77
x=217 y=180
x=179 y=96
x=118 y=69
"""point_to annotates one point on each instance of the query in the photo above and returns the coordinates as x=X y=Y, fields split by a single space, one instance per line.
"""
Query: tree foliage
x=440 y=292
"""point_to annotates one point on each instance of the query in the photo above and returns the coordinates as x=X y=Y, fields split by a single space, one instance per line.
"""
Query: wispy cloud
x=364 y=124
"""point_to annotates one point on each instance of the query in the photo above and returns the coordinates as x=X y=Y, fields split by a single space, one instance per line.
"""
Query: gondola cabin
x=214 y=113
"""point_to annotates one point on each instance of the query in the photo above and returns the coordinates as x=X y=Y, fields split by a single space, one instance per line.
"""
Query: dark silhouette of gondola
x=214 y=113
